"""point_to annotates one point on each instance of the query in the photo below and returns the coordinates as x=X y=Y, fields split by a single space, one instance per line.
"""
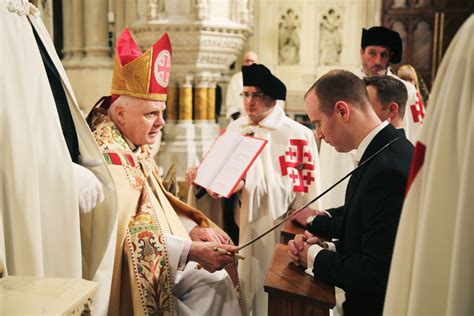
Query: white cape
x=39 y=216
x=432 y=270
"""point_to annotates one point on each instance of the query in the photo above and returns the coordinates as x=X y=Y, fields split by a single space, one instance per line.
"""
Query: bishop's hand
x=208 y=234
x=206 y=255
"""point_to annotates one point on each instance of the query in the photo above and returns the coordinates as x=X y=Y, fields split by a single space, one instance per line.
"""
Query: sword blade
x=316 y=198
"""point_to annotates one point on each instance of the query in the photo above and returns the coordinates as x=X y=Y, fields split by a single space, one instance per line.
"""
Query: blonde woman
x=408 y=73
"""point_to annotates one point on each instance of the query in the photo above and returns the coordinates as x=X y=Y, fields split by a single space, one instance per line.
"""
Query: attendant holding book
x=283 y=177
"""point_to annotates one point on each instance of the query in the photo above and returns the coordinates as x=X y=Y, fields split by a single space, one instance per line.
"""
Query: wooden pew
x=293 y=292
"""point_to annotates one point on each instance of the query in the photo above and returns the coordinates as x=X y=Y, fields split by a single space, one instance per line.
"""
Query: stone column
x=172 y=110
x=202 y=9
x=185 y=100
x=152 y=10
x=141 y=10
x=211 y=102
x=77 y=20
x=67 y=31
x=243 y=12
x=200 y=100
x=96 y=33
x=46 y=9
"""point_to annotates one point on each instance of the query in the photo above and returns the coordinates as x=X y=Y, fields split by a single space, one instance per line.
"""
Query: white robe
x=38 y=183
x=39 y=215
x=268 y=195
x=432 y=271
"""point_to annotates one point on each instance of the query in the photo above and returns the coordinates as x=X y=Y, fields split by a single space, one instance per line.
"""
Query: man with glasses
x=283 y=177
x=234 y=106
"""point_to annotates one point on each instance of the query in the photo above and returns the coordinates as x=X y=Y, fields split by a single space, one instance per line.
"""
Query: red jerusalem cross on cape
x=298 y=163
x=417 y=110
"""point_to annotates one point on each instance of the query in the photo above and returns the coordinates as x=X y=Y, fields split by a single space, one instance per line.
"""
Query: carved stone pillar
x=96 y=33
x=141 y=10
x=243 y=12
x=90 y=67
x=67 y=31
x=152 y=10
x=185 y=100
x=77 y=33
x=172 y=109
x=200 y=100
x=202 y=9
x=211 y=102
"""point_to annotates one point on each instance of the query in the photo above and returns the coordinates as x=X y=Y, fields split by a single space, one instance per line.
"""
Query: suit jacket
x=371 y=212
x=332 y=227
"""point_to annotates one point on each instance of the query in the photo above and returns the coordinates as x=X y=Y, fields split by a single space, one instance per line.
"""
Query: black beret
x=257 y=75
x=382 y=36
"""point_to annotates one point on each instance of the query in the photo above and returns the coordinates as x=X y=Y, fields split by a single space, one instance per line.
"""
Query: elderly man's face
x=142 y=121
x=375 y=60
x=257 y=104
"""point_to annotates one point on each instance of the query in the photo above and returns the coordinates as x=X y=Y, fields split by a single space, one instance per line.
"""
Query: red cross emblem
x=298 y=164
x=162 y=68
x=417 y=110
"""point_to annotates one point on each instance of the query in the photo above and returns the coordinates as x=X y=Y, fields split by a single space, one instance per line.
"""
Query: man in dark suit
x=359 y=261
x=388 y=97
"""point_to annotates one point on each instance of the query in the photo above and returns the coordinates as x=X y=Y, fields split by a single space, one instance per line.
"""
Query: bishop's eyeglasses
x=257 y=96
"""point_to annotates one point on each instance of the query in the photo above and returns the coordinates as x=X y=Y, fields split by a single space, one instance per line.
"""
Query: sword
x=316 y=198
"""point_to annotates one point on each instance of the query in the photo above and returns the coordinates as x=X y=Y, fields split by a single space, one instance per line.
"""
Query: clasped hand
x=298 y=247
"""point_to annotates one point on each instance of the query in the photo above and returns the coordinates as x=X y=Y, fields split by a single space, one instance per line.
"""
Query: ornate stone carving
x=202 y=10
x=203 y=48
x=330 y=44
x=222 y=44
x=243 y=12
x=152 y=10
x=289 y=38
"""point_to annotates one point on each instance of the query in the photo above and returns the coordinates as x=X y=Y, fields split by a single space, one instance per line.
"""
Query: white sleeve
x=178 y=249
x=188 y=223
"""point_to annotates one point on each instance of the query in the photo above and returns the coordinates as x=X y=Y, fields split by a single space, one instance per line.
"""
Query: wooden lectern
x=293 y=292
x=289 y=230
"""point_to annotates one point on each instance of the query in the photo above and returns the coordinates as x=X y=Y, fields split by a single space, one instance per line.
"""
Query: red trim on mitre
x=127 y=49
x=160 y=65
x=416 y=163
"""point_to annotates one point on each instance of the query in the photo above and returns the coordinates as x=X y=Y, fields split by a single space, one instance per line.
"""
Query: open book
x=227 y=161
